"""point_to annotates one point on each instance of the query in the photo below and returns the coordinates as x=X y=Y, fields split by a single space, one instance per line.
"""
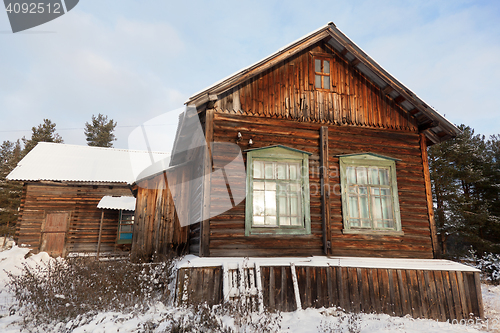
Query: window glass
x=277 y=195
x=326 y=82
x=317 y=81
x=258 y=169
x=326 y=66
x=317 y=65
x=370 y=195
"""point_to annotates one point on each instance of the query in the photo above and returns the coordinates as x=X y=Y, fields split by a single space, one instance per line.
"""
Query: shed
x=77 y=199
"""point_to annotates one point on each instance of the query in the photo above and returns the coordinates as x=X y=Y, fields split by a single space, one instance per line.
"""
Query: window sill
x=277 y=231
x=373 y=232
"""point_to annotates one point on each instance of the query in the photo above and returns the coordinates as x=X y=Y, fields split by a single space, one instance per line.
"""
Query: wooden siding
x=157 y=230
x=80 y=201
x=286 y=91
x=227 y=231
x=430 y=294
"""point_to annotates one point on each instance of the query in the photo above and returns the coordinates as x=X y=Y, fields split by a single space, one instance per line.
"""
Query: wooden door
x=54 y=233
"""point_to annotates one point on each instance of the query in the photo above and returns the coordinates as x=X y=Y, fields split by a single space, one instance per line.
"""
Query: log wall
x=81 y=202
x=227 y=231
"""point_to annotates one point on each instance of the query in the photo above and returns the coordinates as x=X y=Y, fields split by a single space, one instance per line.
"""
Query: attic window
x=322 y=73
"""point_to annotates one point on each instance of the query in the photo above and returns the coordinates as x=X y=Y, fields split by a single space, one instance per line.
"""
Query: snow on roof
x=123 y=202
x=61 y=162
x=318 y=261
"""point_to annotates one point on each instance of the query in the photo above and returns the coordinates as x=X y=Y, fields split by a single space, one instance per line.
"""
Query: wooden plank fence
x=431 y=294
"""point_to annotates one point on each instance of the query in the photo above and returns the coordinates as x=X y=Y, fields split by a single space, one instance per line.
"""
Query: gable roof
x=435 y=126
x=61 y=162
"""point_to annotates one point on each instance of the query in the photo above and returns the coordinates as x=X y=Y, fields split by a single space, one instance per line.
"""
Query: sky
x=136 y=60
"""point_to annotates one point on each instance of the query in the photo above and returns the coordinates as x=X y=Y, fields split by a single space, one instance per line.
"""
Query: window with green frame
x=370 y=201
x=125 y=227
x=277 y=198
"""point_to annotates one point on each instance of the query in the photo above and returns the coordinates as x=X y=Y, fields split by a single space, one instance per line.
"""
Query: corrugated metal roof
x=110 y=202
x=61 y=162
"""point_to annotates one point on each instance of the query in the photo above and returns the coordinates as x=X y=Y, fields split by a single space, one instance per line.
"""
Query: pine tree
x=10 y=191
x=100 y=132
x=45 y=132
x=465 y=187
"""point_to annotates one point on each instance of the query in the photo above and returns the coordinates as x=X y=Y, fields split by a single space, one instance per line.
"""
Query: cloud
x=89 y=67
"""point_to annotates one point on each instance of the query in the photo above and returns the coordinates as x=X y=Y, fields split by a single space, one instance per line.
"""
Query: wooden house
x=63 y=186
x=335 y=150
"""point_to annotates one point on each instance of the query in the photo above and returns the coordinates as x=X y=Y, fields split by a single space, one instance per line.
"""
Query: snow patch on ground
x=158 y=317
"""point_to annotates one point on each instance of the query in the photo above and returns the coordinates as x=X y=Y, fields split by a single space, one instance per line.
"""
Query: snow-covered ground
x=159 y=317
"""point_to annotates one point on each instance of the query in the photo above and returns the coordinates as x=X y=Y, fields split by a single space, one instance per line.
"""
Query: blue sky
x=135 y=60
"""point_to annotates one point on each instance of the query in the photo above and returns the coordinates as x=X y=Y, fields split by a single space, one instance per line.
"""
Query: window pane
x=353 y=207
x=284 y=221
x=362 y=190
x=271 y=186
x=351 y=175
x=259 y=220
x=294 y=188
x=282 y=171
x=294 y=205
x=317 y=65
x=258 y=203
x=353 y=190
x=354 y=222
x=326 y=66
x=295 y=221
x=384 y=176
x=270 y=220
x=373 y=176
x=283 y=208
x=317 y=81
x=361 y=175
x=258 y=169
x=326 y=82
x=294 y=171
x=386 y=208
x=376 y=208
x=258 y=185
x=363 y=207
x=270 y=197
x=269 y=169
x=126 y=228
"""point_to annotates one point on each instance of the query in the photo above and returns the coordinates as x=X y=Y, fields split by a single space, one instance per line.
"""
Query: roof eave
x=432 y=116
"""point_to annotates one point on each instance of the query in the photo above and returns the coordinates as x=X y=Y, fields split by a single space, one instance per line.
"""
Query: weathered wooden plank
x=445 y=313
x=428 y=191
x=207 y=171
x=375 y=284
x=479 y=297
x=325 y=195
x=353 y=289
x=403 y=288
x=463 y=297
